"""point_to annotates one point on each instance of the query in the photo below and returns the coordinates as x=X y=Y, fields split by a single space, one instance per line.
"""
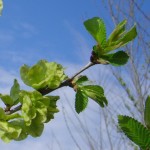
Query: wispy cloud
x=81 y=45
x=25 y=29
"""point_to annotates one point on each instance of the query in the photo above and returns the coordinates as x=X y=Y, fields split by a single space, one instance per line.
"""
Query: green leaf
x=43 y=74
x=81 y=101
x=35 y=129
x=81 y=81
x=2 y=114
x=8 y=131
x=96 y=93
x=12 y=99
x=36 y=107
x=1 y=7
x=28 y=110
x=147 y=112
x=52 y=108
x=14 y=92
x=23 y=135
x=7 y=100
x=117 y=59
x=96 y=27
x=125 y=39
x=117 y=32
x=5 y=117
x=135 y=131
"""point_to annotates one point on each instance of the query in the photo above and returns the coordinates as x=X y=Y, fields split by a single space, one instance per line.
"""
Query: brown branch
x=47 y=90
x=13 y=110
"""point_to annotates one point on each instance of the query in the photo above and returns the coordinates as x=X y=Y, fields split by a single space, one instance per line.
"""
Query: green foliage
x=117 y=59
x=9 y=131
x=97 y=29
x=135 y=131
x=12 y=99
x=81 y=101
x=147 y=112
x=34 y=109
x=85 y=91
x=117 y=32
x=14 y=92
x=96 y=93
x=1 y=6
x=43 y=74
x=118 y=38
x=125 y=38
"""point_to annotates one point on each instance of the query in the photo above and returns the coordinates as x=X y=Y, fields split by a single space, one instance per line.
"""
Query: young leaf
x=43 y=74
x=14 y=92
x=1 y=6
x=117 y=59
x=9 y=131
x=96 y=93
x=147 y=112
x=7 y=100
x=5 y=117
x=117 y=32
x=20 y=123
x=52 y=108
x=37 y=108
x=2 y=114
x=35 y=129
x=81 y=101
x=135 y=131
x=81 y=81
x=125 y=39
x=96 y=27
x=28 y=110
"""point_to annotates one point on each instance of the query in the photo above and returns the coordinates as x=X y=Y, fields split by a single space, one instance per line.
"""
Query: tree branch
x=13 y=110
x=47 y=90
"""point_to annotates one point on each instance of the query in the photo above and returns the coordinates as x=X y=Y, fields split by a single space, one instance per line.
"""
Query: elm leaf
x=81 y=101
x=7 y=100
x=147 y=112
x=117 y=59
x=117 y=32
x=96 y=93
x=9 y=131
x=35 y=130
x=122 y=41
x=43 y=74
x=96 y=27
x=14 y=92
x=135 y=131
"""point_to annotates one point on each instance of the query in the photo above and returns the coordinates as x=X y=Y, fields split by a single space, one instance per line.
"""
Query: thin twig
x=13 y=110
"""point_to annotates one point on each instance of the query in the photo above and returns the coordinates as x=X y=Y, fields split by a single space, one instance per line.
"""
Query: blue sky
x=44 y=30
x=52 y=30
x=32 y=30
